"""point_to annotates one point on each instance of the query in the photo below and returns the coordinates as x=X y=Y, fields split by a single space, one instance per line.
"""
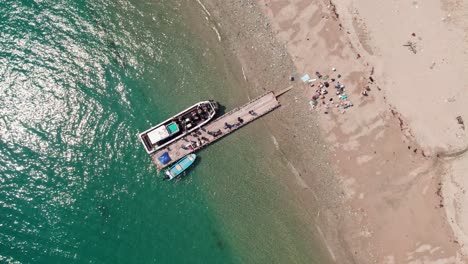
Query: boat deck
x=177 y=150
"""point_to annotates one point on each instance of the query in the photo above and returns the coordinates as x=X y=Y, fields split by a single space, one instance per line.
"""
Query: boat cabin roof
x=172 y=128
x=162 y=132
x=158 y=134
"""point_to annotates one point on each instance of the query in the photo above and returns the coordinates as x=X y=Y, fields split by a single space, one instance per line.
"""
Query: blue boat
x=180 y=166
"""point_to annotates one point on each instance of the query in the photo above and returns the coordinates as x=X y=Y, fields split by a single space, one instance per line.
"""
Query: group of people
x=200 y=139
x=322 y=91
x=193 y=118
x=216 y=133
x=240 y=121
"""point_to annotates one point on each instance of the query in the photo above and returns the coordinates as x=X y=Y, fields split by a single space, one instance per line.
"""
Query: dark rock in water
x=119 y=59
x=112 y=44
x=219 y=242
x=104 y=211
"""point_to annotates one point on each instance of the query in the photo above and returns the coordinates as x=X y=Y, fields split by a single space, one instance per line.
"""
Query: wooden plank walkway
x=260 y=106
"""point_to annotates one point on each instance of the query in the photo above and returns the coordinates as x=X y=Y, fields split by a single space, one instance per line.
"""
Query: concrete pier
x=193 y=142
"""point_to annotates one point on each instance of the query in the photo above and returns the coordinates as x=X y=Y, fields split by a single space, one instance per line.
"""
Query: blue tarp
x=164 y=158
x=305 y=78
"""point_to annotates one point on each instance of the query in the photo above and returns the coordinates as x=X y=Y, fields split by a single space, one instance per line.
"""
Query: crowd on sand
x=330 y=93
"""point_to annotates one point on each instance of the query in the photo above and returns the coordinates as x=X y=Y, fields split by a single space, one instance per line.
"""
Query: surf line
x=208 y=18
x=204 y=8
x=217 y=33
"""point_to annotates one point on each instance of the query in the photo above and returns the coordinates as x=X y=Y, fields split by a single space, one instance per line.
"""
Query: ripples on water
x=78 y=80
x=70 y=106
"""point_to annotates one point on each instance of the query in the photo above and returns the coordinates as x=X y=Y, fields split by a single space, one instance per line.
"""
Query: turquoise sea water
x=78 y=81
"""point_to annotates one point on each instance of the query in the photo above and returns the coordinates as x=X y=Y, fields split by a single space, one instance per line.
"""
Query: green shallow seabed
x=78 y=81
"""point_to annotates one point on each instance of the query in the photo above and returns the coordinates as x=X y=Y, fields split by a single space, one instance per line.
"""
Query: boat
x=180 y=166
x=181 y=124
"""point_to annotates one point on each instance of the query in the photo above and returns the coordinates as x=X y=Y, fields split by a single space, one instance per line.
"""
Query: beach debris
x=305 y=78
x=439 y=193
x=312 y=106
x=347 y=104
x=460 y=122
x=291 y=78
x=318 y=75
x=311 y=82
x=450 y=100
x=413 y=34
x=243 y=74
x=411 y=46
x=332 y=8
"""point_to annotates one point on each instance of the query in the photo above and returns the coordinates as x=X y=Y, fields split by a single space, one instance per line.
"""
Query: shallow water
x=78 y=81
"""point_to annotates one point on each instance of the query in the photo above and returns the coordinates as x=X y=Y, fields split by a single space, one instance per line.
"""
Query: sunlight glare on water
x=76 y=84
x=78 y=81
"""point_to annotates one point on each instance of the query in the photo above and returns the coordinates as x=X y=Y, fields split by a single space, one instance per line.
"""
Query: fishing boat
x=177 y=126
x=180 y=166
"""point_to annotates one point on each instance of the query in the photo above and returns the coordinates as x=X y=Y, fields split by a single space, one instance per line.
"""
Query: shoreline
x=387 y=156
x=371 y=178
x=265 y=65
x=246 y=76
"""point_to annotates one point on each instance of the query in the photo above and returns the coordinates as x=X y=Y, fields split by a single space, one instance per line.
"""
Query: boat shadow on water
x=221 y=110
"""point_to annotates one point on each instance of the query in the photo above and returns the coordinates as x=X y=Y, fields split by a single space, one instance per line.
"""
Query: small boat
x=180 y=166
x=177 y=126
